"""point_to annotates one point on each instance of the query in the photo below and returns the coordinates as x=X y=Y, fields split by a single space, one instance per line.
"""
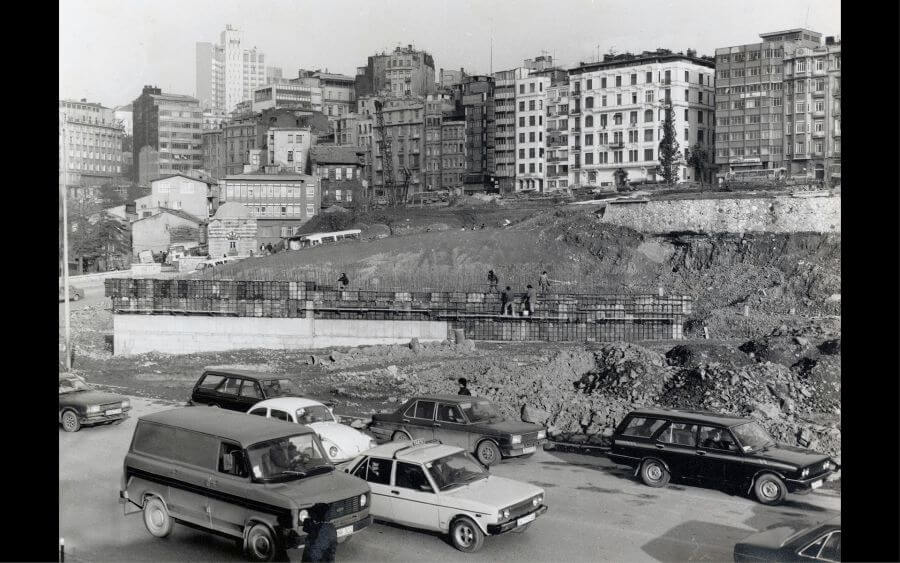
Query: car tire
x=654 y=473
x=488 y=453
x=70 y=422
x=156 y=517
x=400 y=436
x=769 y=489
x=465 y=535
x=262 y=545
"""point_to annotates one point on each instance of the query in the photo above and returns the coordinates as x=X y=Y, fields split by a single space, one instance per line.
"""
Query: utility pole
x=65 y=269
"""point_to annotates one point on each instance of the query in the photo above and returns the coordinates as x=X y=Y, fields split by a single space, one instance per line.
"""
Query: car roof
x=447 y=398
x=238 y=427
x=287 y=403
x=695 y=416
x=247 y=374
x=422 y=453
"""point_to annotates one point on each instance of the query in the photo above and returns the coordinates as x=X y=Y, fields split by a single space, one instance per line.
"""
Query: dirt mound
x=696 y=353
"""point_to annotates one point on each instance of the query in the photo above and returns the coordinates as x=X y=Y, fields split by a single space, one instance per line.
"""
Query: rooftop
x=816 y=34
x=630 y=59
x=422 y=453
x=270 y=177
x=232 y=210
x=207 y=182
x=699 y=416
x=239 y=427
x=175 y=212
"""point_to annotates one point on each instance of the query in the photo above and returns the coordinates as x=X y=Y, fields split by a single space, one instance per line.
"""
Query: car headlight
x=542 y=434
x=804 y=473
x=503 y=513
x=362 y=499
x=516 y=439
x=302 y=515
x=126 y=404
x=93 y=409
x=332 y=451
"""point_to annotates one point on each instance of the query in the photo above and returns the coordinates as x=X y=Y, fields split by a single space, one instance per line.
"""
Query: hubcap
x=770 y=489
x=654 y=472
x=69 y=420
x=401 y=437
x=487 y=454
x=156 y=518
x=261 y=545
x=464 y=535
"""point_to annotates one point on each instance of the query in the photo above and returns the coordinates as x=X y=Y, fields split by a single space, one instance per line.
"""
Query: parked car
x=716 y=448
x=442 y=488
x=81 y=405
x=793 y=543
x=341 y=442
x=239 y=390
x=240 y=476
x=74 y=294
x=473 y=424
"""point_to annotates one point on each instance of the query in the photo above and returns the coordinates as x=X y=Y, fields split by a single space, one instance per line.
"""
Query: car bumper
x=295 y=538
x=495 y=529
x=519 y=449
x=101 y=418
x=807 y=484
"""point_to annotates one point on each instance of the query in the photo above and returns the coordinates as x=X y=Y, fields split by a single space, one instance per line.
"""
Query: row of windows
x=749 y=119
x=748 y=151
x=259 y=191
x=282 y=210
x=80 y=153
x=664 y=76
x=92 y=167
x=617 y=156
x=751 y=55
x=649 y=96
x=741 y=88
x=336 y=172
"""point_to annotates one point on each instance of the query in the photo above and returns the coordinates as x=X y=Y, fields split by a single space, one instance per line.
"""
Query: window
x=193 y=448
x=648 y=116
x=522 y=121
x=521 y=137
x=618 y=99
x=648 y=77
x=603 y=82
x=310 y=209
x=618 y=80
x=589 y=158
x=522 y=106
x=531 y=121
x=531 y=167
x=642 y=427
x=648 y=96
x=602 y=158
x=648 y=153
x=411 y=476
x=449 y=413
x=531 y=136
x=681 y=434
x=250 y=388
x=589 y=102
x=632 y=155
x=634 y=79
x=603 y=101
x=687 y=115
x=820 y=64
x=687 y=135
x=589 y=121
x=424 y=410
x=717 y=439
x=379 y=471
x=521 y=153
x=589 y=83
x=531 y=152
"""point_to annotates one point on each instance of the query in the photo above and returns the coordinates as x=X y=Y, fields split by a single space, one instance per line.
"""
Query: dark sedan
x=80 y=405
x=473 y=424
x=790 y=543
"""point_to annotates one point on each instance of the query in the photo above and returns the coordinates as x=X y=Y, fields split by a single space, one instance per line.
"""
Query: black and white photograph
x=450 y=281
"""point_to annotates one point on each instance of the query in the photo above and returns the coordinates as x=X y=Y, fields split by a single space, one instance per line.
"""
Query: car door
x=205 y=391
x=250 y=394
x=414 y=499
x=227 y=393
x=193 y=459
x=421 y=425
x=377 y=472
x=635 y=441
x=450 y=426
x=231 y=480
x=676 y=443
x=719 y=458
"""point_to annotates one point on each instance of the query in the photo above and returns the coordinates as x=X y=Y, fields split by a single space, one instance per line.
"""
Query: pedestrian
x=269 y=248
x=344 y=280
x=530 y=299
x=506 y=305
x=463 y=387
x=544 y=282
x=321 y=535
x=492 y=280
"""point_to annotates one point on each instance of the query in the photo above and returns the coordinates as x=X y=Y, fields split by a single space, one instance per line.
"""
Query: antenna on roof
x=806 y=21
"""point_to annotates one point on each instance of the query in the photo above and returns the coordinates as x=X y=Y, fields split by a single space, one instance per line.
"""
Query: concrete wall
x=781 y=214
x=138 y=334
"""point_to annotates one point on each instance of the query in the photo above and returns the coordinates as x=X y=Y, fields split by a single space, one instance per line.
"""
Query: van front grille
x=343 y=508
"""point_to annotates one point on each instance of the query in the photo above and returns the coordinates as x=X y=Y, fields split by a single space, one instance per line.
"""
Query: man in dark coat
x=530 y=298
x=321 y=539
x=463 y=387
x=344 y=280
x=506 y=301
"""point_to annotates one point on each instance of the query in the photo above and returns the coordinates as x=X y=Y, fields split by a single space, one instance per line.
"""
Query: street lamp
x=65 y=229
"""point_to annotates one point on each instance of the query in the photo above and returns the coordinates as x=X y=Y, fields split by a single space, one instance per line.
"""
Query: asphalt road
x=598 y=512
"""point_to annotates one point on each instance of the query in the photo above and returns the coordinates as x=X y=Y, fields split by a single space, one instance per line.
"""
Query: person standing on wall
x=544 y=282
x=506 y=302
x=530 y=299
x=344 y=280
x=493 y=280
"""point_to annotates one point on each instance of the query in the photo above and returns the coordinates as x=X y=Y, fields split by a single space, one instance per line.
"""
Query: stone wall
x=780 y=214
x=221 y=232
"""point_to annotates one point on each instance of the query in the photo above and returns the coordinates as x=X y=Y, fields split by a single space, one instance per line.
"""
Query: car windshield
x=72 y=385
x=752 y=436
x=314 y=413
x=293 y=457
x=279 y=387
x=480 y=411
x=455 y=470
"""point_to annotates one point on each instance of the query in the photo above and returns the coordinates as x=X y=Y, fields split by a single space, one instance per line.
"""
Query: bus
x=297 y=242
x=772 y=174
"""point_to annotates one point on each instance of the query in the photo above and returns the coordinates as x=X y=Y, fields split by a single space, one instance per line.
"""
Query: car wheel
x=769 y=489
x=488 y=453
x=521 y=529
x=70 y=422
x=466 y=535
x=654 y=473
x=156 y=518
x=400 y=436
x=261 y=544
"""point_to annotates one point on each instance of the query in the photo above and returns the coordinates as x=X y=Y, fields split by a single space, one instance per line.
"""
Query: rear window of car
x=642 y=427
x=176 y=444
x=211 y=381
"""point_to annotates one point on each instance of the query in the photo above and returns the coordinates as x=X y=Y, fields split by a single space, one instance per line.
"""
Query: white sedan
x=341 y=442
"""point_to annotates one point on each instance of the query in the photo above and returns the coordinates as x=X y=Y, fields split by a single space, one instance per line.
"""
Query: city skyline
x=99 y=60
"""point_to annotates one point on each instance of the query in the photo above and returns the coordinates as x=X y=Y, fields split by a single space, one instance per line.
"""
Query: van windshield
x=280 y=388
x=284 y=459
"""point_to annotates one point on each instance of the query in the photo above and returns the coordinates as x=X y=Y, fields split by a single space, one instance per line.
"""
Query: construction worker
x=493 y=281
x=344 y=280
x=544 y=282
x=530 y=299
x=506 y=302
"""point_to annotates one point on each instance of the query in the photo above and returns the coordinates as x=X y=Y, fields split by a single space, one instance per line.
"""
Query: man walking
x=506 y=302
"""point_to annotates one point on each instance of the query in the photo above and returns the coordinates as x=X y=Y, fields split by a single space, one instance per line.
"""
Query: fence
x=557 y=316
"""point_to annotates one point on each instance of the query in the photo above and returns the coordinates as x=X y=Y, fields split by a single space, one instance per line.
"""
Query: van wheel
x=769 y=489
x=70 y=422
x=466 y=535
x=262 y=545
x=488 y=453
x=156 y=518
x=654 y=473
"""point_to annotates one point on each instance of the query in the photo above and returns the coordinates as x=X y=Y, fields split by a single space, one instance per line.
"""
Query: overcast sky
x=108 y=49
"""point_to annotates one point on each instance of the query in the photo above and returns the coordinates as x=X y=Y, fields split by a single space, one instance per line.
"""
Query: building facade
x=288 y=148
x=180 y=193
x=505 y=123
x=93 y=143
x=478 y=105
x=617 y=107
x=213 y=159
x=339 y=170
x=449 y=78
x=232 y=232
x=157 y=231
x=404 y=125
x=171 y=125
x=436 y=106
x=531 y=93
x=403 y=72
x=279 y=202
x=556 y=136
x=227 y=73
x=123 y=116
x=287 y=94
x=453 y=150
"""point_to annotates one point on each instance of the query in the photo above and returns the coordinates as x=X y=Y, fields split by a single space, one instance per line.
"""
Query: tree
x=669 y=155
x=698 y=159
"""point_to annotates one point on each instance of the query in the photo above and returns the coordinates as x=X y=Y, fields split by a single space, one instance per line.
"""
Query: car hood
x=327 y=488
x=494 y=493
x=87 y=398
x=350 y=440
x=791 y=455
x=511 y=426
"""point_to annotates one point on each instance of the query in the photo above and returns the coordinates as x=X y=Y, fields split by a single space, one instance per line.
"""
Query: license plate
x=525 y=519
x=817 y=484
x=528 y=450
x=345 y=531
x=113 y=411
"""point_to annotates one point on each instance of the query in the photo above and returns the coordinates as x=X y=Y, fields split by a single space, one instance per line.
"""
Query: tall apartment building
x=556 y=136
x=227 y=73
x=436 y=106
x=478 y=105
x=404 y=125
x=453 y=150
x=530 y=95
x=346 y=131
x=167 y=127
x=449 y=78
x=288 y=148
x=505 y=124
x=93 y=143
x=213 y=160
x=751 y=104
x=617 y=107
x=273 y=74
x=403 y=72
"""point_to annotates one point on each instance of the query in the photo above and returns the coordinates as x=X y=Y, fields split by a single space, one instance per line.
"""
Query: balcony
x=577 y=129
x=576 y=148
x=818 y=93
x=617 y=145
x=575 y=111
x=818 y=134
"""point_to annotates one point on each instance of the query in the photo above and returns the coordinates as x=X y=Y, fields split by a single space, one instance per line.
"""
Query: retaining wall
x=779 y=214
